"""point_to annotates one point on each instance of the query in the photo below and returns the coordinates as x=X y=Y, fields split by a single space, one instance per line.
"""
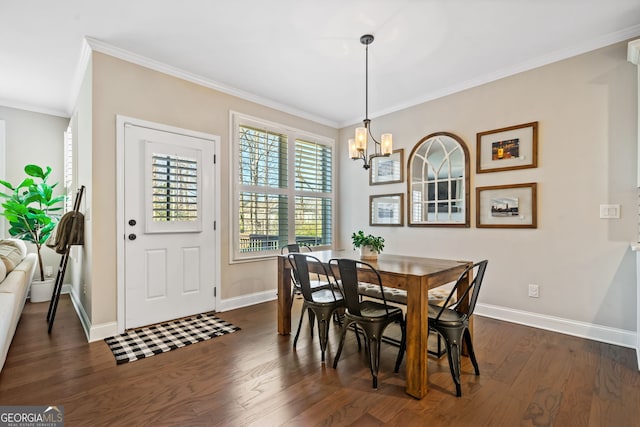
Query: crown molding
x=540 y=61
x=102 y=47
x=633 y=52
x=9 y=103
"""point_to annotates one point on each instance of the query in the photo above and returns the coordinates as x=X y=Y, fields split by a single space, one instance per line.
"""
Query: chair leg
x=323 y=331
x=295 y=340
x=312 y=320
x=374 y=358
x=324 y=319
x=453 y=339
x=403 y=346
x=345 y=327
x=472 y=354
x=453 y=354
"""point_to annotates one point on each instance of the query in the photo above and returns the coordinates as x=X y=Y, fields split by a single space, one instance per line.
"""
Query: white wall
x=586 y=109
x=34 y=138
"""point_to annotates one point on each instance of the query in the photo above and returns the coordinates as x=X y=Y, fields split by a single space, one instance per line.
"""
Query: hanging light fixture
x=358 y=146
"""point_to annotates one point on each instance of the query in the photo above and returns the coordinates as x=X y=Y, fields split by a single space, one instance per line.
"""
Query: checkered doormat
x=151 y=340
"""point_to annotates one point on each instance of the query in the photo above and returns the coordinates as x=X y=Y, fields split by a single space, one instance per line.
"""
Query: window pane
x=313 y=220
x=263 y=221
x=174 y=188
x=263 y=158
x=313 y=167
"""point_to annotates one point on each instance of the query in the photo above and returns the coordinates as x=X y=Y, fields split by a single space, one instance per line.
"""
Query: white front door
x=168 y=225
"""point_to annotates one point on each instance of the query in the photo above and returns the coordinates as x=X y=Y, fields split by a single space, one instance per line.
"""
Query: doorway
x=167 y=243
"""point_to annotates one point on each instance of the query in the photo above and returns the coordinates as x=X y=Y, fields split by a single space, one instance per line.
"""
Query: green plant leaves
x=359 y=240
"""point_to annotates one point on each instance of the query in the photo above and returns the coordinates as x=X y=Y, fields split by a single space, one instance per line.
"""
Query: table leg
x=284 y=297
x=417 y=338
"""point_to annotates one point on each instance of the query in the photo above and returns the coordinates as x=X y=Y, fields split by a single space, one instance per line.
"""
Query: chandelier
x=359 y=146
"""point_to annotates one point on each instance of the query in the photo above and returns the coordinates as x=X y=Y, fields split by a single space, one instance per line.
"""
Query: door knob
x=132 y=236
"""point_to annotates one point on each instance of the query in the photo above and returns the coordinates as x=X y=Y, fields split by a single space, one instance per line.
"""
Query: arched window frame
x=425 y=163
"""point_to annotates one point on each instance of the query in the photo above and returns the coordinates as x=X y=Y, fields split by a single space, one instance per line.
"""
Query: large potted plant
x=32 y=210
x=370 y=245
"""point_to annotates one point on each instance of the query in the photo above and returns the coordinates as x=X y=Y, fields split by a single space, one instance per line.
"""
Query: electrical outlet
x=534 y=291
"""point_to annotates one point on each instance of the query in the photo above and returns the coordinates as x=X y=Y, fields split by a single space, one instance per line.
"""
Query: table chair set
x=371 y=316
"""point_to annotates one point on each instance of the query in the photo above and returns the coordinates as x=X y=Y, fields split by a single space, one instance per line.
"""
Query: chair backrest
x=348 y=269
x=459 y=304
x=294 y=248
x=300 y=268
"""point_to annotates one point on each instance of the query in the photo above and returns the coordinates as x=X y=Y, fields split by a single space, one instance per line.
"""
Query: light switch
x=610 y=211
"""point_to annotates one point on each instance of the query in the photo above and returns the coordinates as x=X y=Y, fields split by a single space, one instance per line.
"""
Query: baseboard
x=590 y=331
x=92 y=332
x=246 y=300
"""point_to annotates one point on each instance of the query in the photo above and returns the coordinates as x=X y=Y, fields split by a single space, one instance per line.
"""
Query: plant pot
x=41 y=290
x=366 y=252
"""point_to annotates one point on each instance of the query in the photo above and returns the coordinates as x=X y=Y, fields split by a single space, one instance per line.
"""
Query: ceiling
x=302 y=56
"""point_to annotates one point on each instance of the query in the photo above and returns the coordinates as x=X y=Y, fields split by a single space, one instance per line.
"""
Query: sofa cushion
x=11 y=253
x=20 y=244
x=3 y=271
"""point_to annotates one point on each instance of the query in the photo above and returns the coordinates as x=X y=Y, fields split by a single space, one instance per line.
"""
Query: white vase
x=41 y=290
x=367 y=252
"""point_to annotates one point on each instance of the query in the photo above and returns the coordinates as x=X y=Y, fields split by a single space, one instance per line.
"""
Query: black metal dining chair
x=451 y=320
x=322 y=302
x=371 y=316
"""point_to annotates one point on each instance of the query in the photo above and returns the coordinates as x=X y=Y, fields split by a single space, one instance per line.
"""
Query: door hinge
x=214 y=159
x=215 y=291
x=214 y=225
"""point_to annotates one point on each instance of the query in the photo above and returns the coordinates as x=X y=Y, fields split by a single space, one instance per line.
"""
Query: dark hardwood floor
x=528 y=377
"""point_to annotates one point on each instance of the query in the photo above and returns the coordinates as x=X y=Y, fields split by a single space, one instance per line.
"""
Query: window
x=283 y=188
x=439 y=182
x=68 y=170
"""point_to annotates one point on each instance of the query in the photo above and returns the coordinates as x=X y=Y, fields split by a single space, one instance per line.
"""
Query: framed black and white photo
x=386 y=209
x=387 y=170
x=507 y=206
x=514 y=147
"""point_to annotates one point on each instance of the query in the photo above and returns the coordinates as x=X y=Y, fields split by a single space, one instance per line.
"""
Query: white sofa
x=14 y=286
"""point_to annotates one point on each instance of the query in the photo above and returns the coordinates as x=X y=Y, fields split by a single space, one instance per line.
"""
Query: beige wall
x=123 y=88
x=38 y=139
x=586 y=109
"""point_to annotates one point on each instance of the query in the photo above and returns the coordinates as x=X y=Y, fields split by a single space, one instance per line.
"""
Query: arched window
x=438 y=185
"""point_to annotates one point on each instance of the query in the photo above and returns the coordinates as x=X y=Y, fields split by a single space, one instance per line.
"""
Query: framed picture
x=387 y=170
x=514 y=147
x=507 y=206
x=386 y=209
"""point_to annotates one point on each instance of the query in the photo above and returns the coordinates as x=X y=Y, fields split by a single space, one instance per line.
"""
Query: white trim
x=247 y=300
x=583 y=47
x=93 y=333
x=237 y=119
x=76 y=84
x=633 y=52
x=590 y=331
x=121 y=121
x=100 y=46
x=3 y=170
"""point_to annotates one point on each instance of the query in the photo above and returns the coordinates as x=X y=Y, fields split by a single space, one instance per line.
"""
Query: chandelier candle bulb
x=386 y=143
x=361 y=138
x=353 y=151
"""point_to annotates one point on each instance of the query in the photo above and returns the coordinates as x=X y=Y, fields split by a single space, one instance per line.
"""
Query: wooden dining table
x=416 y=275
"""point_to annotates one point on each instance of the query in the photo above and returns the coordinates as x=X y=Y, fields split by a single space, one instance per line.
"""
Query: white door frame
x=121 y=121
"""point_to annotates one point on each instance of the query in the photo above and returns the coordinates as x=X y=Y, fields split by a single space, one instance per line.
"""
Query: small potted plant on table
x=370 y=245
x=31 y=210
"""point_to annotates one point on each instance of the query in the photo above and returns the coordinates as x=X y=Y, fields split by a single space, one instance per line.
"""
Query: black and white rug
x=156 y=339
